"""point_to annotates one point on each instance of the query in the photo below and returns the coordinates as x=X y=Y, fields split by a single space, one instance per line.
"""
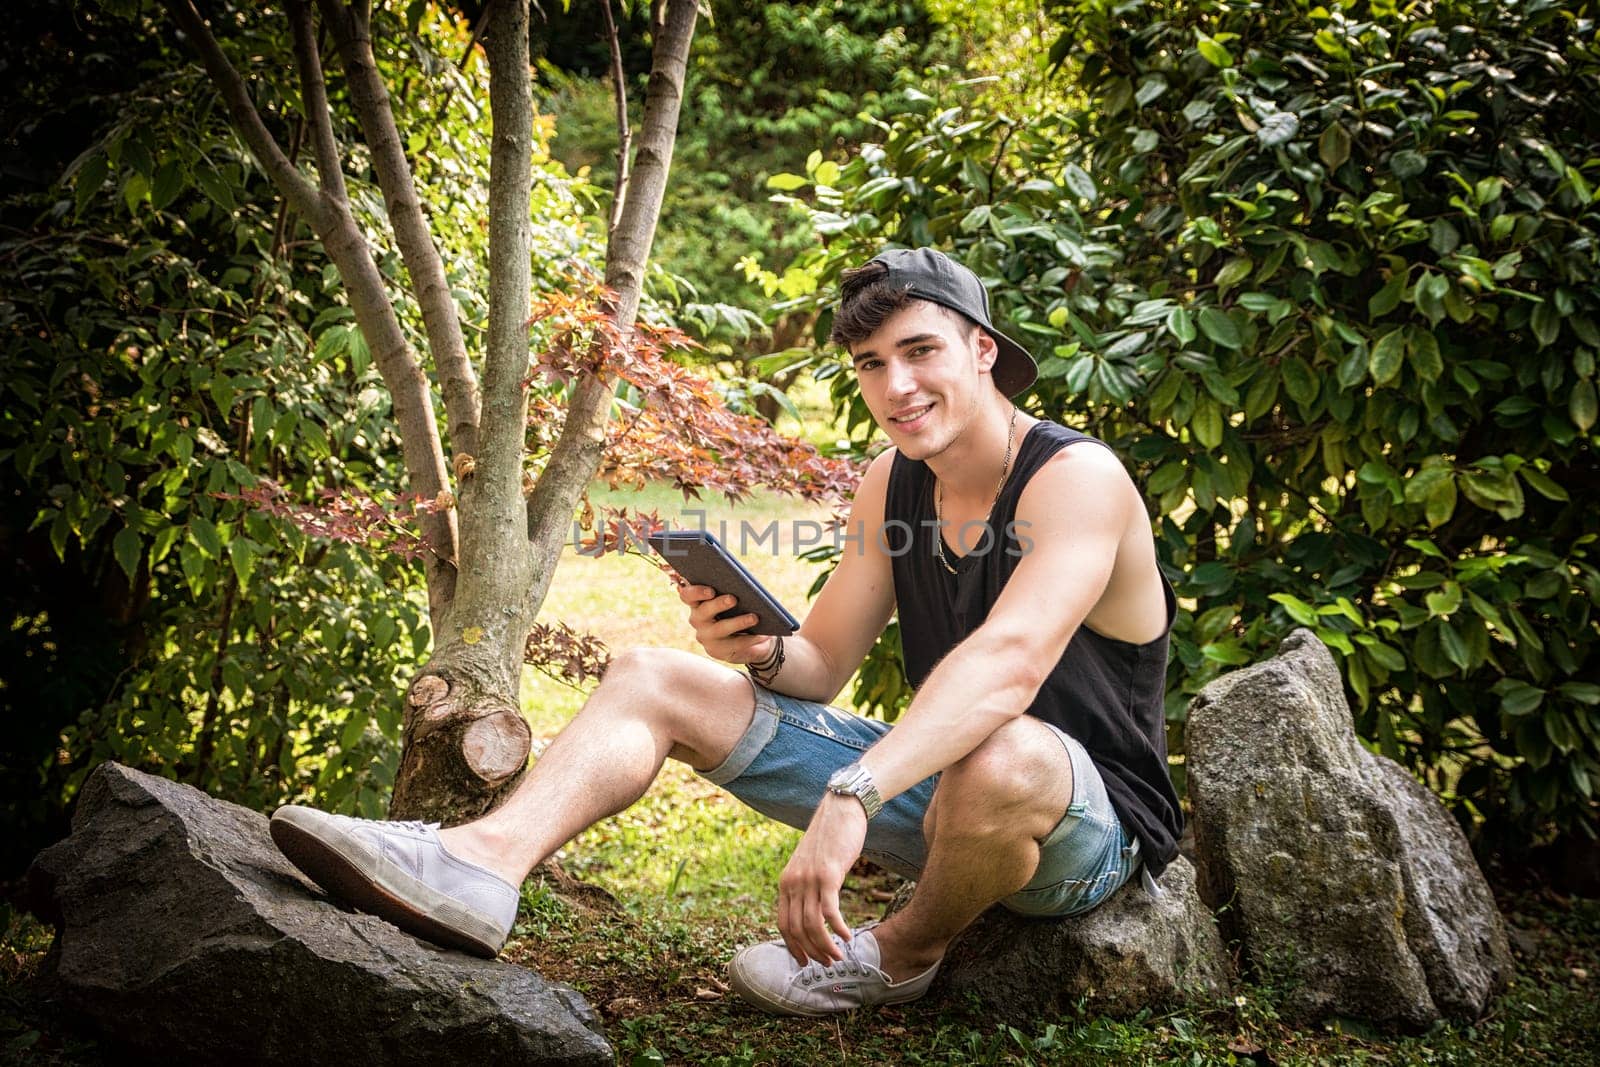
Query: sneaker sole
x=373 y=884
x=762 y=999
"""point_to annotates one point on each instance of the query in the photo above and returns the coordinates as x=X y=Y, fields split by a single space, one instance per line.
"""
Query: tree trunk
x=466 y=743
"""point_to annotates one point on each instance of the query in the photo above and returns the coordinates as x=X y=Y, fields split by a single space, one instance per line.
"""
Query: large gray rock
x=183 y=933
x=1348 y=887
x=1133 y=952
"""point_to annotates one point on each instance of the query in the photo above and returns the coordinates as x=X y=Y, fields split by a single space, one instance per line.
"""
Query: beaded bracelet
x=767 y=669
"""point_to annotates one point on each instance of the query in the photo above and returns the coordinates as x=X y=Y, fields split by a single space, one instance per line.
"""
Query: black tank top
x=1106 y=693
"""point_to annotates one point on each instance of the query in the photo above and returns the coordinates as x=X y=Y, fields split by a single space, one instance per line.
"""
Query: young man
x=1029 y=769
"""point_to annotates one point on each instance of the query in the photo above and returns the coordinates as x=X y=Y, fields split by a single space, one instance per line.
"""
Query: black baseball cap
x=928 y=274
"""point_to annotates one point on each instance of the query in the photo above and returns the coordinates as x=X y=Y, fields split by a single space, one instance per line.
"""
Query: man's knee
x=700 y=705
x=1018 y=771
x=649 y=670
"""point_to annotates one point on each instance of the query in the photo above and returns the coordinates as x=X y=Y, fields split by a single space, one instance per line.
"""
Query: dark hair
x=866 y=301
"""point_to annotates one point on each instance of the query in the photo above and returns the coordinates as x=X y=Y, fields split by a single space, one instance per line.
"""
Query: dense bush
x=1329 y=282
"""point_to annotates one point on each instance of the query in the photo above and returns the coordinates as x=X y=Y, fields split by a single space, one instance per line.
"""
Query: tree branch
x=619 y=86
x=314 y=99
x=576 y=455
x=291 y=184
x=458 y=383
x=365 y=287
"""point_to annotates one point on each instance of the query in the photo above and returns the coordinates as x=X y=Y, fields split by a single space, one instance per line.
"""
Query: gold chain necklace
x=938 y=496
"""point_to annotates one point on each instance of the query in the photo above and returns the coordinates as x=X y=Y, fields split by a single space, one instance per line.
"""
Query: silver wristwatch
x=856 y=781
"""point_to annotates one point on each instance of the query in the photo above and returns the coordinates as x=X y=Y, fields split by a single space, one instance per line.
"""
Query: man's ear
x=988 y=351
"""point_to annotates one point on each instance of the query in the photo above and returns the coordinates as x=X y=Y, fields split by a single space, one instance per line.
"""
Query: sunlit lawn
x=686 y=840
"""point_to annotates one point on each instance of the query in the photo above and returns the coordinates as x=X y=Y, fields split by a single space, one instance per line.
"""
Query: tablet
x=700 y=557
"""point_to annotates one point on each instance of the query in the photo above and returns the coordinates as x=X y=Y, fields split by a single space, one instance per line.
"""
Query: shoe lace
x=415 y=824
x=817 y=971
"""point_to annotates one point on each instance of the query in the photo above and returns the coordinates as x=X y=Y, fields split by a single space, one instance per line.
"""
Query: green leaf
x=1334 y=146
x=1352 y=366
x=1263 y=393
x=1559 y=730
x=1446 y=600
x=354 y=728
x=1582 y=692
x=206 y=536
x=1429 y=295
x=242 y=554
x=1454 y=646
x=1407 y=164
x=1213 y=52
x=1150 y=89
x=1206 y=424
x=1220 y=329
x=1298 y=609
x=1387 y=354
x=1584 y=327
x=1387 y=299
x=212 y=184
x=360 y=354
x=1533 y=743
x=1582 y=404
x=1079 y=183
x=1423 y=352
x=1180 y=325
x=163 y=541
x=1386 y=656
x=1443 y=237
x=788 y=183
x=1299 y=380
x=168 y=183
x=1278 y=128
x=1542 y=483
x=91 y=176
x=1236 y=270
x=1167 y=476
x=194 y=566
x=134 y=189
x=129 y=549
x=1518 y=698
x=1441 y=502
x=1546 y=323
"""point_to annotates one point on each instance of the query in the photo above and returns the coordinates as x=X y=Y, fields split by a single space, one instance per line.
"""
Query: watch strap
x=854 y=780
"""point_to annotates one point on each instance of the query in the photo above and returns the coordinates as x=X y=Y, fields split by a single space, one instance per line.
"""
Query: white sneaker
x=767 y=976
x=400 y=871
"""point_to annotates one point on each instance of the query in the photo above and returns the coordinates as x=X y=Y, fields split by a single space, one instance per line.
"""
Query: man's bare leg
x=988 y=815
x=652 y=704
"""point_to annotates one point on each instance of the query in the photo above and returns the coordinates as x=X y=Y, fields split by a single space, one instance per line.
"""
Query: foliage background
x=1328 y=279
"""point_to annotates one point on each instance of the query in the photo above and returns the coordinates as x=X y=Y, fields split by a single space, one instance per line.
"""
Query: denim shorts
x=781 y=766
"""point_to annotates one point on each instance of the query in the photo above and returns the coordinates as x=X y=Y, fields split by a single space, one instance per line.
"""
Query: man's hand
x=721 y=638
x=808 y=891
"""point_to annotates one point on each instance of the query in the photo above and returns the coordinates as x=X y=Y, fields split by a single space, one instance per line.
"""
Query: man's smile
x=910 y=415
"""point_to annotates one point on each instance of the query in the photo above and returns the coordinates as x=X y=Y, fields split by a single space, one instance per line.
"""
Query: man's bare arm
x=846 y=617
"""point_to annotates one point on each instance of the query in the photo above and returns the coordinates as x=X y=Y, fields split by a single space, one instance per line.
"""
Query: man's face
x=923 y=375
